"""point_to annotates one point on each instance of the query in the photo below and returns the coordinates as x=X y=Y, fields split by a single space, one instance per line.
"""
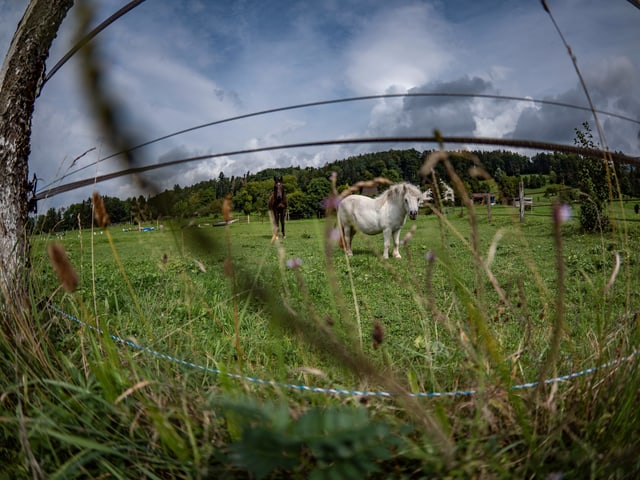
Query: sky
x=171 y=66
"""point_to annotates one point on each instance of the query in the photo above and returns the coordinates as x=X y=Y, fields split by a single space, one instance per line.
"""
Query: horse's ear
x=275 y=179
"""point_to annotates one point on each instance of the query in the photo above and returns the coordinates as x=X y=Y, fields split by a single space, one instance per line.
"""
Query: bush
x=592 y=217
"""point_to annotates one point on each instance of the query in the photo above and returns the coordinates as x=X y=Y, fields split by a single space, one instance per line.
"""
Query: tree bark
x=20 y=80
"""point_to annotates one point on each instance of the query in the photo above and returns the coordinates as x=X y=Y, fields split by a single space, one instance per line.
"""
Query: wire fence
x=49 y=190
x=336 y=391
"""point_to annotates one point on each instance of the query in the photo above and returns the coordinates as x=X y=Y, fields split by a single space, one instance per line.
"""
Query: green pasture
x=185 y=290
x=475 y=303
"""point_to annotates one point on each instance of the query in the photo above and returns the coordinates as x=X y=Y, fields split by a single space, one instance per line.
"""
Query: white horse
x=386 y=213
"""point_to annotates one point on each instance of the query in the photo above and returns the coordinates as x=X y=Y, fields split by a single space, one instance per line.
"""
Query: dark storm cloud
x=463 y=85
x=552 y=123
x=613 y=87
x=451 y=115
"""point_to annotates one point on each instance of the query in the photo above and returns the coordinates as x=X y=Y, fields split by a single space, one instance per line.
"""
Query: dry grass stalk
x=365 y=184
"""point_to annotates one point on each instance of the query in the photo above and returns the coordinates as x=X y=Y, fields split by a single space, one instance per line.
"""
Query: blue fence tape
x=335 y=391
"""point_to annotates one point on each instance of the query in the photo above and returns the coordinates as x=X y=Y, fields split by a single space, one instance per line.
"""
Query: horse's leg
x=274 y=224
x=279 y=222
x=396 y=244
x=387 y=239
x=348 y=233
x=282 y=223
x=352 y=233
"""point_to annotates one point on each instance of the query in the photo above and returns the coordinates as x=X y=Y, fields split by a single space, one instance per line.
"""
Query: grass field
x=475 y=303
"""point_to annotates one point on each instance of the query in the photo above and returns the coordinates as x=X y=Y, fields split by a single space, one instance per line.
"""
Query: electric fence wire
x=48 y=191
x=333 y=391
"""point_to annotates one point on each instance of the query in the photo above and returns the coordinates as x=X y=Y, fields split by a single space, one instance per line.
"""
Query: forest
x=563 y=174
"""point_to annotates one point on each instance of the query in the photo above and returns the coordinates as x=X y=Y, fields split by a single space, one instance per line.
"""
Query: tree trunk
x=20 y=80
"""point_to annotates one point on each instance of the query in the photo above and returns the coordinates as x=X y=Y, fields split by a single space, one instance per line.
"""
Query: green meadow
x=220 y=331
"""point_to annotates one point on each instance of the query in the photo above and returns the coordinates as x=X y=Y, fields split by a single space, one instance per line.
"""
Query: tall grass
x=476 y=309
x=452 y=315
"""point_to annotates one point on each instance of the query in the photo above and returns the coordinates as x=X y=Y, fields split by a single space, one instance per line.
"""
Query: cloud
x=176 y=65
x=614 y=77
x=11 y=14
x=496 y=118
x=551 y=123
x=399 y=47
x=613 y=84
x=185 y=174
x=453 y=116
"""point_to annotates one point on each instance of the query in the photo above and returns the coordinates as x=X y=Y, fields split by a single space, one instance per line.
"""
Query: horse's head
x=278 y=188
x=412 y=197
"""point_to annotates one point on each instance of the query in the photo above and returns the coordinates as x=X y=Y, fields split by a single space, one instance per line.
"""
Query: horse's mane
x=397 y=189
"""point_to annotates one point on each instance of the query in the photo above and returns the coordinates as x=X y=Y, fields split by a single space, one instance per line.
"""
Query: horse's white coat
x=386 y=213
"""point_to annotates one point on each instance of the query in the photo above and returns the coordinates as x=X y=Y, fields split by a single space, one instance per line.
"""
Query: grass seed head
x=378 y=335
x=99 y=211
x=227 y=208
x=409 y=235
x=63 y=268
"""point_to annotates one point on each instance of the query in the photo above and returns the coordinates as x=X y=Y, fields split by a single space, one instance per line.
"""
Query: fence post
x=521 y=188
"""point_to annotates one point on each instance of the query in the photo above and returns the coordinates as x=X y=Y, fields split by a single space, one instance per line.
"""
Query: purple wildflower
x=294 y=262
x=334 y=235
x=331 y=203
x=562 y=213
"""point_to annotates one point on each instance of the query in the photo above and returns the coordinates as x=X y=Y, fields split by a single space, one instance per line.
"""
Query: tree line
x=307 y=187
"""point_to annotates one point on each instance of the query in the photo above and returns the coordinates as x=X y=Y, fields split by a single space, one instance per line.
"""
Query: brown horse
x=278 y=206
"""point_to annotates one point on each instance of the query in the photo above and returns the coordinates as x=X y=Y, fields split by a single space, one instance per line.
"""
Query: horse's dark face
x=278 y=189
